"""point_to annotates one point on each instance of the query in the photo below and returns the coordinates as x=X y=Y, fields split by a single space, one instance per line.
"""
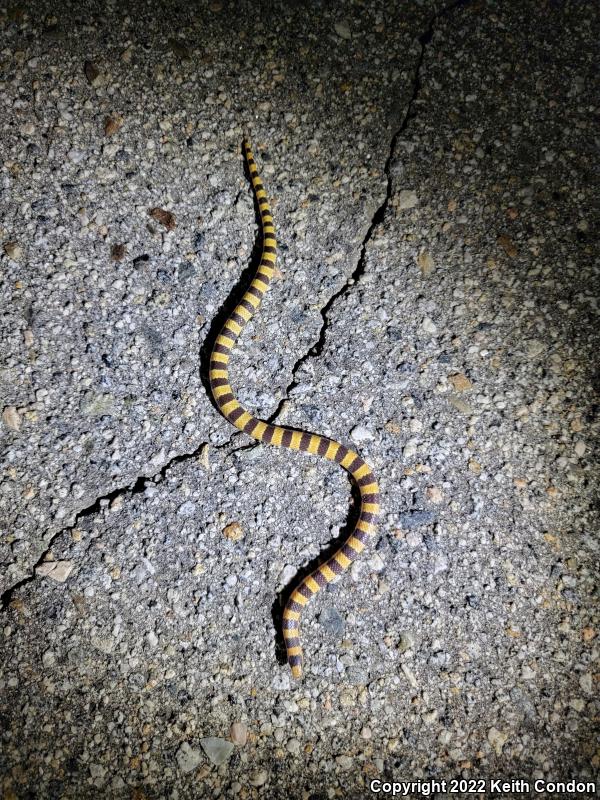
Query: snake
x=291 y=438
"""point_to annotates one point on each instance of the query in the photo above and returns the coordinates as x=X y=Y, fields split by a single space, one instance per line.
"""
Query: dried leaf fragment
x=117 y=252
x=233 y=531
x=460 y=382
x=163 y=217
x=11 y=418
x=507 y=244
x=92 y=73
x=127 y=54
x=112 y=124
x=425 y=262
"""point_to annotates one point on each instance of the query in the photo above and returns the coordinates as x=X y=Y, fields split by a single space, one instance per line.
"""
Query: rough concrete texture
x=435 y=194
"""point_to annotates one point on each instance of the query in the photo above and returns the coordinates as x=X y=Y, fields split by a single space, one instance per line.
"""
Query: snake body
x=280 y=436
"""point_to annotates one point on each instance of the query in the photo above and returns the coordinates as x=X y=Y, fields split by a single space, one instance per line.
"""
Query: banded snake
x=293 y=439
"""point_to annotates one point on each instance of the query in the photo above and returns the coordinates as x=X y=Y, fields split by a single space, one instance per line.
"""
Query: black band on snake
x=280 y=436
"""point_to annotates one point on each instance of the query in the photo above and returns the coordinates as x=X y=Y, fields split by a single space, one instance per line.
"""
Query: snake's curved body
x=280 y=436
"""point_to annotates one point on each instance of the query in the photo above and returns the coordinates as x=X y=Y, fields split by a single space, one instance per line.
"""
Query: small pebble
x=376 y=563
x=407 y=198
x=258 y=778
x=345 y=762
x=577 y=704
x=497 y=739
x=460 y=404
x=186 y=509
x=286 y=575
x=76 y=156
x=342 y=28
x=360 y=434
x=293 y=746
x=218 y=750
x=58 y=571
x=409 y=675
x=409 y=450
x=239 y=734
x=188 y=758
x=407 y=641
x=434 y=494
x=440 y=564
x=527 y=673
x=13 y=250
x=428 y=325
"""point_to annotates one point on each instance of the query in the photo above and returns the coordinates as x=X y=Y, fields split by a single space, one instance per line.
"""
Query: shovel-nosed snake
x=281 y=436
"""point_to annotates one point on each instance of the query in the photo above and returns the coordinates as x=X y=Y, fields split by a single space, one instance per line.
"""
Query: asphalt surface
x=434 y=182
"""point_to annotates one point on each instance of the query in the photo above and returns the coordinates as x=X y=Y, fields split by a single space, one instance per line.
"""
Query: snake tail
x=292 y=439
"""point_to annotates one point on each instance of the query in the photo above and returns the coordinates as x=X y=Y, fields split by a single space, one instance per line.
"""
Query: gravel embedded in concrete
x=144 y=545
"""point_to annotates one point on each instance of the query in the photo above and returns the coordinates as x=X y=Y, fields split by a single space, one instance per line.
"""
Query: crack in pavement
x=137 y=487
x=315 y=350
